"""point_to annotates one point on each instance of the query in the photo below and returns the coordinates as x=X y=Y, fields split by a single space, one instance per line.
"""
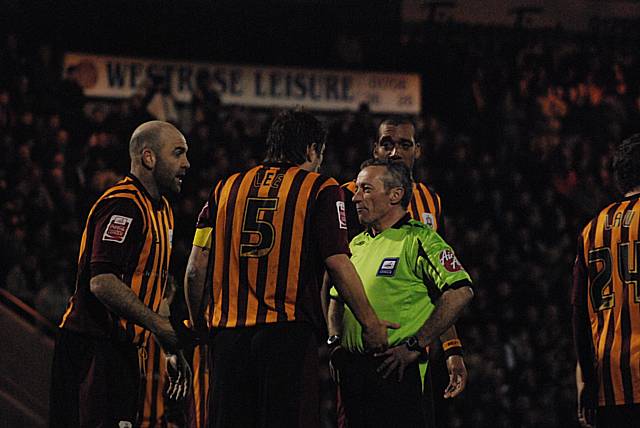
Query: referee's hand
x=396 y=358
x=374 y=337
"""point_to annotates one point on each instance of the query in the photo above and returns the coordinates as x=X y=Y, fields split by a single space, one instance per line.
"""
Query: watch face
x=412 y=343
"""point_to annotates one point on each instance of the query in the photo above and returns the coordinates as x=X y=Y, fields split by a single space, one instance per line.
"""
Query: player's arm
x=194 y=288
x=330 y=230
x=122 y=301
x=195 y=273
x=348 y=284
x=118 y=228
x=586 y=381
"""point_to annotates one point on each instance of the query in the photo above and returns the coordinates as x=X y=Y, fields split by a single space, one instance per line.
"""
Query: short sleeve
x=117 y=236
x=203 y=236
x=329 y=223
x=436 y=262
x=204 y=228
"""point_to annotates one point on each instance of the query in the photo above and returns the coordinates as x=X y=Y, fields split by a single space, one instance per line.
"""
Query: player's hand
x=374 y=337
x=179 y=374
x=457 y=376
x=396 y=358
x=587 y=395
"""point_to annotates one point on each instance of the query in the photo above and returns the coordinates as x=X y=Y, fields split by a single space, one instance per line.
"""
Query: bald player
x=123 y=268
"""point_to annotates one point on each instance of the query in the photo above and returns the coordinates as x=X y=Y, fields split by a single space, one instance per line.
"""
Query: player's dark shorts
x=265 y=376
x=369 y=400
x=624 y=416
x=94 y=382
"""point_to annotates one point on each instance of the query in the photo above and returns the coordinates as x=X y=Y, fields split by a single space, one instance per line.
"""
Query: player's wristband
x=452 y=347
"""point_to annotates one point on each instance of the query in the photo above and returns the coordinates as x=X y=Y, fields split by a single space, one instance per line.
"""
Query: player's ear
x=418 y=151
x=311 y=152
x=148 y=158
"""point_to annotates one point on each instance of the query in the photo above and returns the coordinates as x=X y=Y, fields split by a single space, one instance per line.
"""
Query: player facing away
x=262 y=243
x=606 y=303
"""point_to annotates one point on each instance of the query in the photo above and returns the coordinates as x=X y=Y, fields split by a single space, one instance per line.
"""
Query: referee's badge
x=388 y=266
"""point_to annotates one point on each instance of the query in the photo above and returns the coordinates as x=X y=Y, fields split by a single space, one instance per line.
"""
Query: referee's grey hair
x=397 y=175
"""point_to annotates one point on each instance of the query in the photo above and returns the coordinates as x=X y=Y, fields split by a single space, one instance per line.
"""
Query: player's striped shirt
x=128 y=234
x=425 y=207
x=606 y=291
x=154 y=385
x=270 y=230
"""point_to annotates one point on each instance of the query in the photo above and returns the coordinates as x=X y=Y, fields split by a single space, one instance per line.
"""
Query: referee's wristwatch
x=413 y=345
x=333 y=341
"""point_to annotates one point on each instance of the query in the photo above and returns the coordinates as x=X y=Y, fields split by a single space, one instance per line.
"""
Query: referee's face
x=372 y=200
x=398 y=143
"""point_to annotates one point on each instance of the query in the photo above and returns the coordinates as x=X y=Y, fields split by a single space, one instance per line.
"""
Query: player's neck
x=147 y=181
x=632 y=192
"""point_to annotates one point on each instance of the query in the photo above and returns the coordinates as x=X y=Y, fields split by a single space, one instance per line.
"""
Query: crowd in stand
x=516 y=134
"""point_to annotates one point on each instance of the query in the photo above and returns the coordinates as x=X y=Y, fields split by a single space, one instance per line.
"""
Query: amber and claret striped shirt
x=425 y=206
x=606 y=295
x=128 y=234
x=270 y=230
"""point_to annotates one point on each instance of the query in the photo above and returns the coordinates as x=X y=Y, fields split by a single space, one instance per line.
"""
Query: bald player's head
x=158 y=154
x=150 y=135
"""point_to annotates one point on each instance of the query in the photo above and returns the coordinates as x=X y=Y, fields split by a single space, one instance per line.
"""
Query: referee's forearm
x=448 y=307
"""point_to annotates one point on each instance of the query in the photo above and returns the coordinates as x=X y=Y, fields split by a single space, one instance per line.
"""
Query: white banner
x=256 y=86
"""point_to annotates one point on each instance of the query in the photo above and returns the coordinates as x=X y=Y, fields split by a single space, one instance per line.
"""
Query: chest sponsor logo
x=116 y=230
x=427 y=218
x=342 y=216
x=449 y=261
x=388 y=267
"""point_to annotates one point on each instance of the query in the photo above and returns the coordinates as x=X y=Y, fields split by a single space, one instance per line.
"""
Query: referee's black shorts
x=94 y=382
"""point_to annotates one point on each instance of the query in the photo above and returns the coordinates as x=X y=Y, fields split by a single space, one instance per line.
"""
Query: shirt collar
x=157 y=203
x=397 y=225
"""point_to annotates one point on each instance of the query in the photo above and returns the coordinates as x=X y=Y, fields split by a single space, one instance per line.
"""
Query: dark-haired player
x=262 y=244
x=606 y=303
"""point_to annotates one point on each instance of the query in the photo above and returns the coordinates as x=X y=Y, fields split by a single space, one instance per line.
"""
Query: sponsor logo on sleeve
x=117 y=229
x=449 y=260
x=342 y=216
x=388 y=266
x=170 y=237
x=427 y=218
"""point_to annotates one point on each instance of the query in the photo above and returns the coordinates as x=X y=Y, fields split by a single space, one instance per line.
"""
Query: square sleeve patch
x=342 y=216
x=117 y=229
